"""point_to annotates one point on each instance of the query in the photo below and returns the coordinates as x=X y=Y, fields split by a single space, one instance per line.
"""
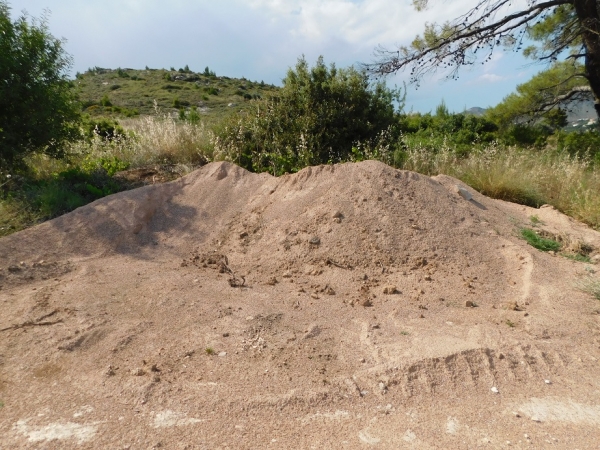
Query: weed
x=591 y=285
x=1 y=404
x=404 y=333
x=535 y=220
x=509 y=323
x=209 y=351
x=577 y=257
x=538 y=242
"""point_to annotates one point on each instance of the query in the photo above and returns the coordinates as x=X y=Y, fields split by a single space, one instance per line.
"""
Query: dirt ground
x=342 y=307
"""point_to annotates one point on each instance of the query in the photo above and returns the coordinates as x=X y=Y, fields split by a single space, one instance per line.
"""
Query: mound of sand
x=344 y=306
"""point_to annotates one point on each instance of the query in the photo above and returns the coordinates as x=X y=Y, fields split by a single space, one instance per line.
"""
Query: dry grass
x=153 y=140
x=527 y=176
x=591 y=285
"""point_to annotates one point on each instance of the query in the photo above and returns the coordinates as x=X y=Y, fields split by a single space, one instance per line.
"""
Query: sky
x=261 y=39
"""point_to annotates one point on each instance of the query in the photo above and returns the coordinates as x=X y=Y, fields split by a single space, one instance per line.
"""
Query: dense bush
x=320 y=115
x=103 y=128
x=461 y=130
x=526 y=135
x=38 y=111
x=581 y=143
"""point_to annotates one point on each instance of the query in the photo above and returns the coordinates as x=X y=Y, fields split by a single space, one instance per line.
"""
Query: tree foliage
x=561 y=29
x=320 y=115
x=543 y=93
x=38 y=111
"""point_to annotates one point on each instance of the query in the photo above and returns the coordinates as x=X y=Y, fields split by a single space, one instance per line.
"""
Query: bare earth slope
x=325 y=309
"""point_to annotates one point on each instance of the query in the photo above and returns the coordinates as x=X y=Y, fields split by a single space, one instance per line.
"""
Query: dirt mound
x=340 y=307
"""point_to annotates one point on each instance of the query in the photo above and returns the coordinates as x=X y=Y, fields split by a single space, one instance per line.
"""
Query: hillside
x=129 y=92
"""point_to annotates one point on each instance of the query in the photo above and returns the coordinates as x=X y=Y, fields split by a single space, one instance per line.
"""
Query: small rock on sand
x=391 y=289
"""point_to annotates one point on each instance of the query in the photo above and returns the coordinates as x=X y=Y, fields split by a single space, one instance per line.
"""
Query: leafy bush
x=580 y=143
x=318 y=116
x=105 y=101
x=38 y=108
x=526 y=135
x=104 y=128
x=461 y=131
x=180 y=103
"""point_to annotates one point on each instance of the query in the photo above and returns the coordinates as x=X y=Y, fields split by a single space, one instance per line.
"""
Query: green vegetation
x=533 y=98
x=591 y=285
x=172 y=121
x=321 y=115
x=577 y=257
x=535 y=240
x=127 y=92
x=566 y=29
x=209 y=351
x=37 y=108
x=535 y=220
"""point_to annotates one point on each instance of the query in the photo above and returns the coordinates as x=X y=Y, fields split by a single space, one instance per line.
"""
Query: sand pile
x=341 y=307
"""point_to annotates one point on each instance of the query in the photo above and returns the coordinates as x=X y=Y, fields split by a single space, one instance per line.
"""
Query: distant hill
x=476 y=111
x=580 y=115
x=129 y=92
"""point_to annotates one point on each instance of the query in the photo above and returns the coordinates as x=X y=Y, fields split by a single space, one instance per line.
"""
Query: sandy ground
x=348 y=306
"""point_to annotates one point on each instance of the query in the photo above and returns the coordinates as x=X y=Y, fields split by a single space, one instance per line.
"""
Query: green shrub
x=109 y=164
x=580 y=143
x=122 y=73
x=105 y=101
x=318 y=116
x=193 y=116
x=104 y=128
x=526 y=135
x=38 y=108
x=539 y=242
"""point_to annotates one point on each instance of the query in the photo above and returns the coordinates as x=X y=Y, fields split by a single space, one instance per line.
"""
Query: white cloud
x=258 y=39
x=490 y=78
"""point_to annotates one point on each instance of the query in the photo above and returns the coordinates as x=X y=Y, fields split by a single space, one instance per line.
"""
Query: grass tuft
x=590 y=285
x=538 y=242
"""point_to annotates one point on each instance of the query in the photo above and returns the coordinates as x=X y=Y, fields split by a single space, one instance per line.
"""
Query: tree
x=563 y=29
x=319 y=115
x=38 y=111
x=543 y=93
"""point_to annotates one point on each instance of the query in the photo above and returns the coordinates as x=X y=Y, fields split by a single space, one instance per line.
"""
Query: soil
x=345 y=306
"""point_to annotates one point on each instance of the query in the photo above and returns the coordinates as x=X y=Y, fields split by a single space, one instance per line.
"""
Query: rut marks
x=475 y=368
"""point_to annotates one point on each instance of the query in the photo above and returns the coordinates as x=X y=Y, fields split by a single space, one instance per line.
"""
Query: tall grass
x=153 y=140
x=528 y=176
x=522 y=175
x=52 y=187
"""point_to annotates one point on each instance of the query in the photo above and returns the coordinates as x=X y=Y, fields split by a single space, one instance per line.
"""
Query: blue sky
x=261 y=39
